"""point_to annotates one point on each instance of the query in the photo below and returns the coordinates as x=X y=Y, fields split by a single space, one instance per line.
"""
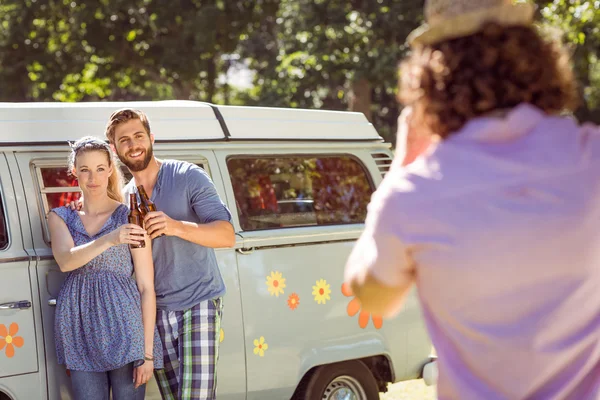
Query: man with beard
x=192 y=221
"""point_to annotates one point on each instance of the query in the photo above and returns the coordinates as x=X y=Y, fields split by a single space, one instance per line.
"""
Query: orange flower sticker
x=354 y=307
x=293 y=301
x=9 y=340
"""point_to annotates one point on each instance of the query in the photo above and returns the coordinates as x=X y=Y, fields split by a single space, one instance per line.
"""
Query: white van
x=297 y=183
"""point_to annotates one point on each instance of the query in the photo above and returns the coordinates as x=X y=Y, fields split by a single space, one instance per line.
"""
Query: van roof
x=176 y=120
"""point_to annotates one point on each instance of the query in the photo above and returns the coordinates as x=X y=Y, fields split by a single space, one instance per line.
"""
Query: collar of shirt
x=158 y=179
x=516 y=123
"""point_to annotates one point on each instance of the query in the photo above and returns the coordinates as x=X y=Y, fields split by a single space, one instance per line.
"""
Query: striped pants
x=190 y=341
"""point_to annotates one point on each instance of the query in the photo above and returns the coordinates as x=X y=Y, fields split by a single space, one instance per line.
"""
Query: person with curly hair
x=492 y=209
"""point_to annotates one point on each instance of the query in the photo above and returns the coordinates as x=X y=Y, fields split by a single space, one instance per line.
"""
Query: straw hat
x=451 y=19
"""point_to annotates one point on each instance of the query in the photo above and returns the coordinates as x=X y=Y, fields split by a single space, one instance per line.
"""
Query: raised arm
x=380 y=269
x=70 y=257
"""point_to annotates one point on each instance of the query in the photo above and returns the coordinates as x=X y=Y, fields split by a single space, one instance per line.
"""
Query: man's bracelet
x=148 y=357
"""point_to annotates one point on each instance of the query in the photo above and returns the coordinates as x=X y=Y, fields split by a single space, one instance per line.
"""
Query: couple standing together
x=113 y=329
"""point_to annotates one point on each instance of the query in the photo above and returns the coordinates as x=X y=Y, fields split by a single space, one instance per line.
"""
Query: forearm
x=214 y=234
x=149 y=319
x=79 y=256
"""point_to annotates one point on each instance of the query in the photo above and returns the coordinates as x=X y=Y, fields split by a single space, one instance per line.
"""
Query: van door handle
x=52 y=302
x=246 y=251
x=17 y=305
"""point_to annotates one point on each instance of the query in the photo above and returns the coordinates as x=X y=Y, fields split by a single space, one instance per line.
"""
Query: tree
x=344 y=54
x=121 y=49
x=580 y=22
x=334 y=55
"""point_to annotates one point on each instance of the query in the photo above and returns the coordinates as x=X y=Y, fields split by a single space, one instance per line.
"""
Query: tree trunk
x=583 y=69
x=183 y=90
x=360 y=97
x=211 y=80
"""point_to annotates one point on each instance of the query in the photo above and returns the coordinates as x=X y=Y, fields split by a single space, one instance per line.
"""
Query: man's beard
x=139 y=165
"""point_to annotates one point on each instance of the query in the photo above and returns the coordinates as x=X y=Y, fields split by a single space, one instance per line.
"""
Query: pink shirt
x=499 y=225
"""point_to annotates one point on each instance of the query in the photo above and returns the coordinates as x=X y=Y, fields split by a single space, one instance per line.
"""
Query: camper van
x=297 y=183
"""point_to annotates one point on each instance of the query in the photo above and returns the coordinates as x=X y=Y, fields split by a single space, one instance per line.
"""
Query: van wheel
x=350 y=380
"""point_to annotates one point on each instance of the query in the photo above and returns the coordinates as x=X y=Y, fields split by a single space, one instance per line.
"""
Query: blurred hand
x=412 y=139
x=76 y=204
x=158 y=223
x=143 y=373
x=127 y=234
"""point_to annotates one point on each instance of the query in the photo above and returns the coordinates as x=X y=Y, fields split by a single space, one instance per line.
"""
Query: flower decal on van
x=260 y=346
x=354 y=307
x=275 y=283
x=321 y=291
x=293 y=301
x=9 y=340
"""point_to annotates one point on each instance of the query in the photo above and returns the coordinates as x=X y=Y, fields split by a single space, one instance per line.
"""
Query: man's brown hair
x=122 y=116
x=451 y=82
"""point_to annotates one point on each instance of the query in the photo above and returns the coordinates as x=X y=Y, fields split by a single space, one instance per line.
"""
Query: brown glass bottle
x=135 y=217
x=146 y=205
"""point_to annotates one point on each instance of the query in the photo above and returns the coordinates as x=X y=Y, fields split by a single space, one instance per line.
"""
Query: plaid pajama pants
x=191 y=349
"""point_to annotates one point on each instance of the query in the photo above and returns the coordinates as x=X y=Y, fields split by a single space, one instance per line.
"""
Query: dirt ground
x=410 y=390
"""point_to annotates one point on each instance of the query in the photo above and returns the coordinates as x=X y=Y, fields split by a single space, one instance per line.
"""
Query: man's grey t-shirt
x=185 y=273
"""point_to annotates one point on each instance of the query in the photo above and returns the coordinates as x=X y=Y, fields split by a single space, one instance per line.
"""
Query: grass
x=409 y=390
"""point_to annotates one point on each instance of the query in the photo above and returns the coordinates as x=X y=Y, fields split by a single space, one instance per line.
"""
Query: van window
x=3 y=226
x=293 y=191
x=58 y=187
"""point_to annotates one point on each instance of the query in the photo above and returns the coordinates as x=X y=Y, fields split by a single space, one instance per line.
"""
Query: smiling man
x=191 y=221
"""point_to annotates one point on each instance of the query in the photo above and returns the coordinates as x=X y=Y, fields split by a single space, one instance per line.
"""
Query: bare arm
x=144 y=274
x=381 y=268
x=213 y=234
x=70 y=257
x=379 y=273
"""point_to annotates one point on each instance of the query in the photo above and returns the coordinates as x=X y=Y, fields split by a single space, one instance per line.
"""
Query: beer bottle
x=146 y=205
x=135 y=217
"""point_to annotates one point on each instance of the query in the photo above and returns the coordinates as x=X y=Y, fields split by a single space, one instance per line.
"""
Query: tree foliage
x=328 y=54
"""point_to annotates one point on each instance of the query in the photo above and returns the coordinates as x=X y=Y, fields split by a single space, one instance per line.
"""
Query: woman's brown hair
x=498 y=68
x=90 y=143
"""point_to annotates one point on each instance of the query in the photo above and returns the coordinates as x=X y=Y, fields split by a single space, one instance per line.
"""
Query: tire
x=332 y=381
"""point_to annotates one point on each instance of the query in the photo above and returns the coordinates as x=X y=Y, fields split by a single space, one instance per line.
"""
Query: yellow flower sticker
x=9 y=339
x=321 y=291
x=260 y=346
x=275 y=283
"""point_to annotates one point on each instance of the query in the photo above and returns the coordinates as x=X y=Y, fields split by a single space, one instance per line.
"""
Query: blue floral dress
x=98 y=324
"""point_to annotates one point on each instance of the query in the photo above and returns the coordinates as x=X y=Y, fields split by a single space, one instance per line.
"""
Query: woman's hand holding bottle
x=127 y=234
